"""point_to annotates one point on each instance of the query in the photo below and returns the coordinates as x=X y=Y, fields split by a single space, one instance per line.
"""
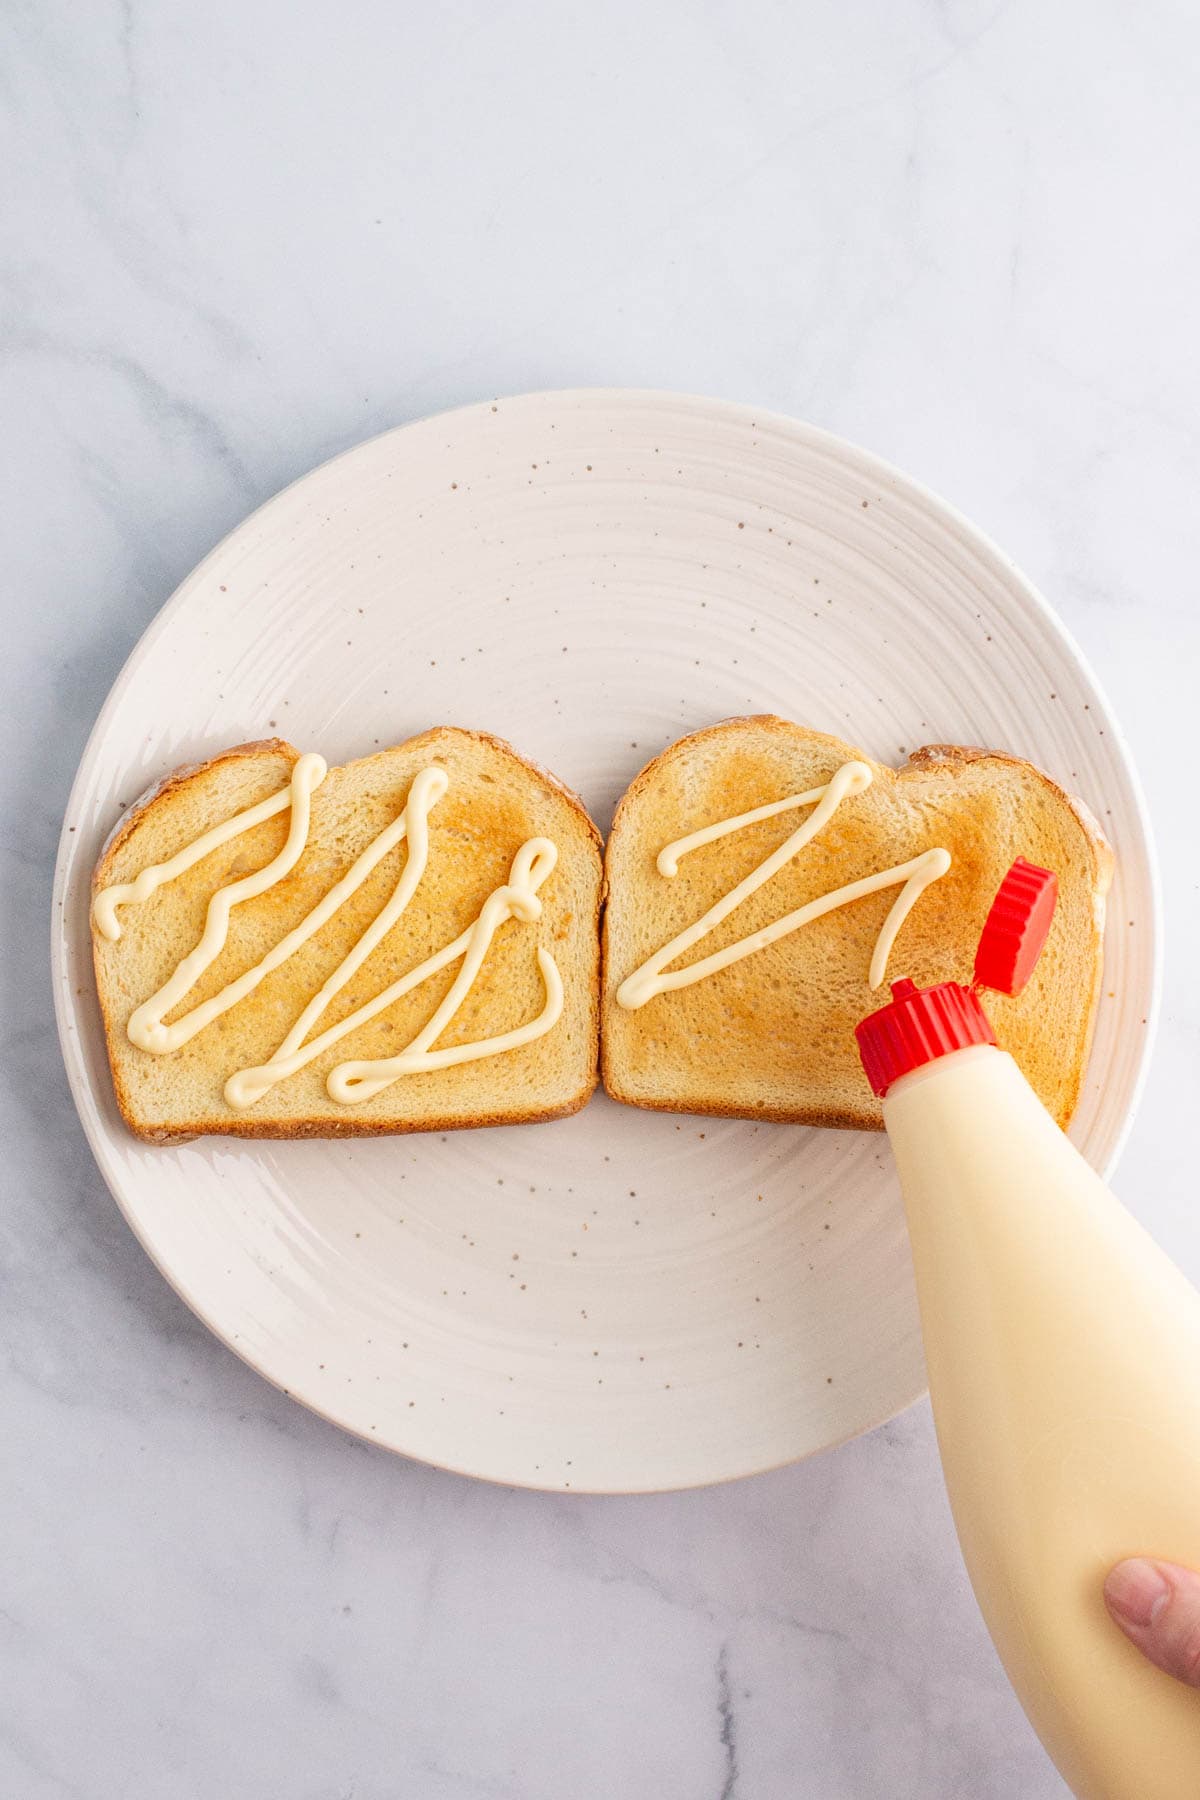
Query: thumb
x=1157 y=1606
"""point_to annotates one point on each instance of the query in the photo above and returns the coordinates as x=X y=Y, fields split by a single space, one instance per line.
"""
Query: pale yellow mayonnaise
x=1063 y=1351
x=356 y=1081
x=852 y=778
x=349 y=1082
x=307 y=773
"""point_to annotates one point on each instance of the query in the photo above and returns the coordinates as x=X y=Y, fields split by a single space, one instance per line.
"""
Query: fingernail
x=1136 y=1592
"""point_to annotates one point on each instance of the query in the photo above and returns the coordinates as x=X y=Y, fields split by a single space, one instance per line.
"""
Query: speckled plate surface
x=621 y=1300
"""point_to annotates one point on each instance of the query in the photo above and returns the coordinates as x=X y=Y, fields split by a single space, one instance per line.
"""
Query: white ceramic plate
x=621 y=1300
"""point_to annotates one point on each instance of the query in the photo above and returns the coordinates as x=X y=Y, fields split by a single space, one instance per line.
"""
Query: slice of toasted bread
x=772 y=1036
x=493 y=803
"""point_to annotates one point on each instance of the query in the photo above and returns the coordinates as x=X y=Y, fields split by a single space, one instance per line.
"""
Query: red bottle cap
x=922 y=1024
x=918 y=1026
x=1015 y=930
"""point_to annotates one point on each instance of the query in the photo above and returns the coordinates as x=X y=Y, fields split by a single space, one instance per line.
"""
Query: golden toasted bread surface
x=493 y=803
x=772 y=1035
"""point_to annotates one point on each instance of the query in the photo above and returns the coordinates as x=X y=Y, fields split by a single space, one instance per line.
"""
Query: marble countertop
x=239 y=238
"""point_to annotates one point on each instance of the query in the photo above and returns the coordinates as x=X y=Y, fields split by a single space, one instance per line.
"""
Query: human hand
x=1157 y=1606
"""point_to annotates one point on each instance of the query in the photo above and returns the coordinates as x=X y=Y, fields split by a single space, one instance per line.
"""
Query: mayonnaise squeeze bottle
x=1063 y=1350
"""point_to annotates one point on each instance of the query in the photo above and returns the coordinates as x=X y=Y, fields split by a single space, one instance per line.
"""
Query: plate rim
x=848 y=452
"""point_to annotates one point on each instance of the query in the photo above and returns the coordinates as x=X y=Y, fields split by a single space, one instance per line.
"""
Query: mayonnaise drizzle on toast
x=351 y=1082
x=348 y=1083
x=852 y=778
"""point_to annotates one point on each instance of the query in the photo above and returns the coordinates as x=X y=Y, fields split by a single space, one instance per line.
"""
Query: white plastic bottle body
x=1063 y=1350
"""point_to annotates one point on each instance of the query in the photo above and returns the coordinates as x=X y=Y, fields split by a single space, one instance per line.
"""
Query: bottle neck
x=953 y=1058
